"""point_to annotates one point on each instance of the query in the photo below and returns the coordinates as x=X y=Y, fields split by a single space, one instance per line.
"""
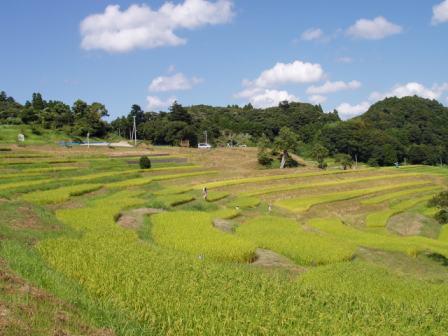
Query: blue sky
x=344 y=54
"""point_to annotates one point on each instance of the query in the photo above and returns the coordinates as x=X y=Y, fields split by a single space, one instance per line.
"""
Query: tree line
x=410 y=129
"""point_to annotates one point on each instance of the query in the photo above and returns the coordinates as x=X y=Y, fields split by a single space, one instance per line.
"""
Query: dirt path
x=133 y=219
x=223 y=225
x=270 y=259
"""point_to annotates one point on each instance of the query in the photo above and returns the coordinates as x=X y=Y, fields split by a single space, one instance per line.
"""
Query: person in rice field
x=205 y=193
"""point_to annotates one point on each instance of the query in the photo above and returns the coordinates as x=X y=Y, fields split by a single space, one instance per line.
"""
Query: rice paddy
x=194 y=266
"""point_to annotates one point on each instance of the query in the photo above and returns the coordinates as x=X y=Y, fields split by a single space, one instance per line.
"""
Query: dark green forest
x=410 y=129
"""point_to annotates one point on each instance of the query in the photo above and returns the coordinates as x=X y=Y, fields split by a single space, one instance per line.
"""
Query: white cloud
x=330 y=87
x=157 y=104
x=412 y=89
x=269 y=98
x=347 y=111
x=375 y=29
x=317 y=99
x=139 y=26
x=175 y=82
x=312 y=34
x=297 y=72
x=440 y=13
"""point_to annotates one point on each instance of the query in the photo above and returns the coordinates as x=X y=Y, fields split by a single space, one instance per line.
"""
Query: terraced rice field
x=192 y=266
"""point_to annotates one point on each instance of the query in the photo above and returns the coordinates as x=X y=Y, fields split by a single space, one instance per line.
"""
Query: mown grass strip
x=325 y=184
x=59 y=195
x=301 y=204
x=192 y=232
x=287 y=237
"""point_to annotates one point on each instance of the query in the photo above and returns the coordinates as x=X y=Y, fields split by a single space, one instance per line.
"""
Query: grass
x=192 y=232
x=302 y=204
x=59 y=195
x=287 y=237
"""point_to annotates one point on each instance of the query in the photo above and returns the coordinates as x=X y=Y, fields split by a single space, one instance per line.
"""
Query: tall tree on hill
x=179 y=113
x=286 y=141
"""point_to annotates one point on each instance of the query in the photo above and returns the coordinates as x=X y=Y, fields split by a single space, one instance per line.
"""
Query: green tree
x=179 y=113
x=286 y=141
x=319 y=153
x=344 y=160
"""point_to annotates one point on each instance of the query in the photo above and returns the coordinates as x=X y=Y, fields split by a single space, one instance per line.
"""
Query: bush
x=323 y=165
x=145 y=162
x=291 y=163
x=264 y=158
x=441 y=202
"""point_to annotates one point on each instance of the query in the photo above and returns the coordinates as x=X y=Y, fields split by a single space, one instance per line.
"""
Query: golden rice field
x=268 y=252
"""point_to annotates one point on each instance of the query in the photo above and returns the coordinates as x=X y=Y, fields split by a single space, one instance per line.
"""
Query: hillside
x=411 y=129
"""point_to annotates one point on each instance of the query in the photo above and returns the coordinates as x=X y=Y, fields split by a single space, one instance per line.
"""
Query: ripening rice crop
x=303 y=203
x=244 y=202
x=293 y=187
x=397 y=194
x=16 y=185
x=380 y=218
x=173 y=293
x=146 y=180
x=214 y=196
x=409 y=245
x=182 y=175
x=193 y=232
x=287 y=237
x=59 y=195
x=224 y=213
x=172 y=190
x=173 y=200
x=267 y=178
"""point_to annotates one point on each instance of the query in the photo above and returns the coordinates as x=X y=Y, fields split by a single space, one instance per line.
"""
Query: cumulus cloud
x=297 y=72
x=312 y=34
x=412 y=89
x=139 y=26
x=440 y=13
x=175 y=82
x=157 y=104
x=375 y=29
x=347 y=111
x=317 y=99
x=268 y=98
x=330 y=87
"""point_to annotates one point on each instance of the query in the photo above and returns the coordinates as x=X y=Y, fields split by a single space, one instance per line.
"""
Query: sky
x=342 y=54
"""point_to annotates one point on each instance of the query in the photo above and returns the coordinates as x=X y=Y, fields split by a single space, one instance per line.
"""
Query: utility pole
x=88 y=140
x=134 y=132
x=206 y=140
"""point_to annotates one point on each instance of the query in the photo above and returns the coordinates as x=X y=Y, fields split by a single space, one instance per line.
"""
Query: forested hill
x=394 y=129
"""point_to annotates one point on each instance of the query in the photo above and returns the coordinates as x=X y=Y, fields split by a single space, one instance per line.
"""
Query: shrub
x=145 y=162
x=264 y=158
x=441 y=202
x=290 y=162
